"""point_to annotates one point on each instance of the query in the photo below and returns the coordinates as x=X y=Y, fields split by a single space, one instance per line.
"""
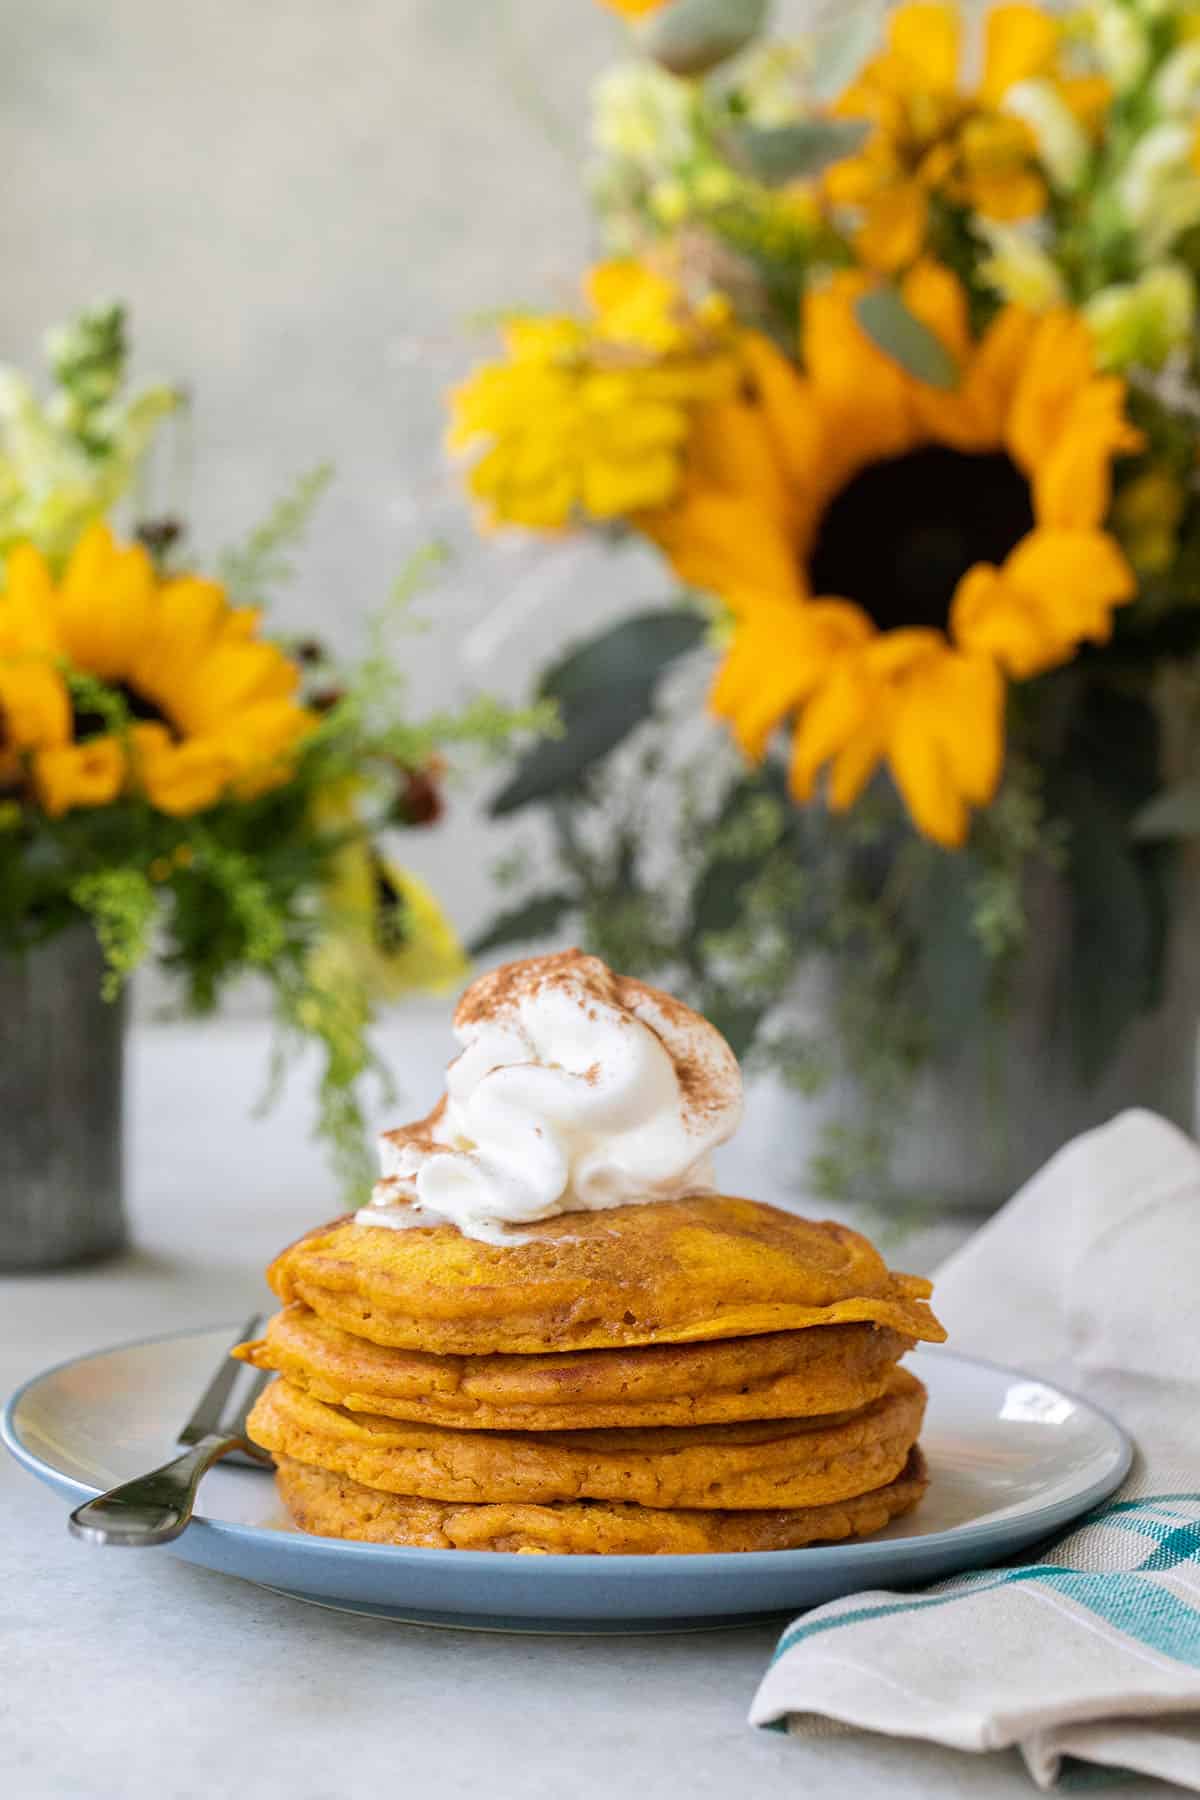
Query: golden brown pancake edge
x=829 y=1369
x=706 y=1268
x=744 y=1465
x=330 y=1505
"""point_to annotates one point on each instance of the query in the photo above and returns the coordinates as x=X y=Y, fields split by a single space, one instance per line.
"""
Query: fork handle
x=153 y=1508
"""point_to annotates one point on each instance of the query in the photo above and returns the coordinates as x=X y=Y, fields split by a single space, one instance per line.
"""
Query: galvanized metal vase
x=975 y=1130
x=61 y=1066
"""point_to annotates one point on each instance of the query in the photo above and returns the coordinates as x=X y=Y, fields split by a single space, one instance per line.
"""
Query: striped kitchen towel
x=1091 y=1654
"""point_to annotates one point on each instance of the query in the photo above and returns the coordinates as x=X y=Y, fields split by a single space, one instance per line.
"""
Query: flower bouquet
x=176 y=780
x=893 y=356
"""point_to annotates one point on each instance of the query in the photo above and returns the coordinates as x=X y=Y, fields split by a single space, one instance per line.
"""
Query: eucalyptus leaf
x=898 y=332
x=603 y=689
x=535 y=918
x=1175 y=813
x=638 y=649
x=737 y=1021
x=689 y=37
x=782 y=153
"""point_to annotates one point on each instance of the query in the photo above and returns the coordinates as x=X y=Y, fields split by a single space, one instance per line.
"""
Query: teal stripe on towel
x=1127 y=1602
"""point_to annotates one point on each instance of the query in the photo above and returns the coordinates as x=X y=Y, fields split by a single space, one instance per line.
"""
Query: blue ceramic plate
x=1011 y=1461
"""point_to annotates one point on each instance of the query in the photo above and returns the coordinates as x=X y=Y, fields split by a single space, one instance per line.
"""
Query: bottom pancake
x=330 y=1505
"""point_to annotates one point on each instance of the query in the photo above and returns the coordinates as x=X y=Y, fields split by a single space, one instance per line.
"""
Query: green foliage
x=121 y=904
x=676 y=863
x=689 y=37
x=251 y=571
x=778 y=154
x=602 y=690
x=535 y=918
x=898 y=332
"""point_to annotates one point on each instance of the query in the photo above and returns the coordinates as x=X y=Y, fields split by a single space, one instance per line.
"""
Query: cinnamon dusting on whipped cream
x=576 y=1089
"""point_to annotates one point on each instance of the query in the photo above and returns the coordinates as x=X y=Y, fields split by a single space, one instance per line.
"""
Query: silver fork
x=154 y=1508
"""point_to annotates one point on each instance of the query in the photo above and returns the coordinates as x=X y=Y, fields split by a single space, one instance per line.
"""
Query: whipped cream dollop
x=577 y=1089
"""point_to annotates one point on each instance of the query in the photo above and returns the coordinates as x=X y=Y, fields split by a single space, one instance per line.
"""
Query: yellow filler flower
x=215 y=710
x=588 y=419
x=928 y=135
x=890 y=551
x=633 y=9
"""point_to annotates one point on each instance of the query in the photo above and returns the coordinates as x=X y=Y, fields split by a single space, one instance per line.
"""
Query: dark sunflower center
x=899 y=537
x=90 y=723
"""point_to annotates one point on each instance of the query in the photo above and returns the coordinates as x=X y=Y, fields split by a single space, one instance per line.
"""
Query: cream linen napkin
x=1090 y=1277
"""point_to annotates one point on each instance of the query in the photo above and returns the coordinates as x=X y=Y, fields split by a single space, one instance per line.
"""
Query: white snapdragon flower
x=1018 y=268
x=1061 y=141
x=1121 y=41
x=1177 y=84
x=1141 y=322
x=1159 y=188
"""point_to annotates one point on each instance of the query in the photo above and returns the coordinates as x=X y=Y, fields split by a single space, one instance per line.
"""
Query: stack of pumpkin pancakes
x=707 y=1374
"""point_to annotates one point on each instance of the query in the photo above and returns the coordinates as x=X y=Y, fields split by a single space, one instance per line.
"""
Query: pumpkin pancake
x=786 y=1374
x=785 y=1462
x=662 y=1272
x=334 y=1506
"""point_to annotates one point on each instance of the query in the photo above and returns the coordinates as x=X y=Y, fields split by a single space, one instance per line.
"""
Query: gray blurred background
x=304 y=204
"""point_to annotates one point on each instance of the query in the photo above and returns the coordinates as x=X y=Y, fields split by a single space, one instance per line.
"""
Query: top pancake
x=667 y=1271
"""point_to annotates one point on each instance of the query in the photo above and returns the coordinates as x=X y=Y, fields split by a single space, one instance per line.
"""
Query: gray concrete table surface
x=137 y=1677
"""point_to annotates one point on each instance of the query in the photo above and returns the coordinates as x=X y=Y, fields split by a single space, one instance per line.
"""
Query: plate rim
x=308 y=1546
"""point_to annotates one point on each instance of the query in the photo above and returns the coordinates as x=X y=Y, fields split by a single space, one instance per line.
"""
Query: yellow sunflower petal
x=1072 y=486
x=994 y=617
x=790 y=414
x=1076 y=579
x=35 y=710
x=104 y=605
x=967 y=695
x=893 y=230
x=181 y=779
x=1007 y=194
x=1058 y=363
x=938 y=298
x=996 y=368
x=854 y=766
x=731 y=447
x=832 y=722
x=72 y=775
x=727 y=544
x=1020 y=43
x=923 y=774
x=27 y=614
x=964 y=416
x=925 y=39
x=230 y=678
x=188 y=616
x=777 y=657
x=864 y=396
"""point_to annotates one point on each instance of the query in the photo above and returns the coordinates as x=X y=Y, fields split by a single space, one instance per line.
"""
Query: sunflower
x=590 y=417
x=930 y=136
x=891 y=551
x=213 y=709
